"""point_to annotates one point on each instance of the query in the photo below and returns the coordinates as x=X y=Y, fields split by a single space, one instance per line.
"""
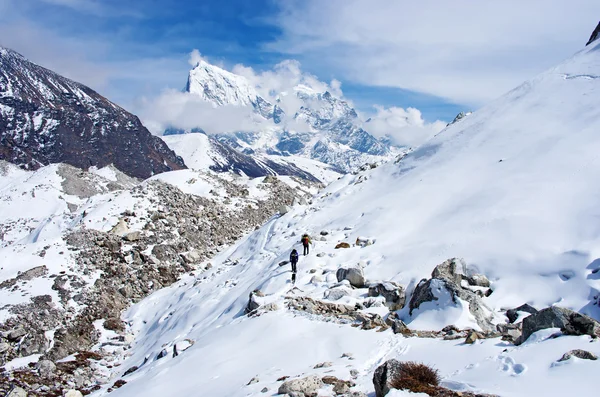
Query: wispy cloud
x=467 y=51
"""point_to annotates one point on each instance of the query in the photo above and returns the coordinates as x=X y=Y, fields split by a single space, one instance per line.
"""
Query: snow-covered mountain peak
x=219 y=86
x=595 y=35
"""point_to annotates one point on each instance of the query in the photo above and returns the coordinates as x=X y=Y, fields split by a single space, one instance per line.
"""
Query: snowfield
x=512 y=189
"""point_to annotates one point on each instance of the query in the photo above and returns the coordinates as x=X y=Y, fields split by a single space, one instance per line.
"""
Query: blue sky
x=440 y=58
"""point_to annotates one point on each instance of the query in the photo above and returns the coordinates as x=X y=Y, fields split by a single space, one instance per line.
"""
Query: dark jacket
x=294 y=256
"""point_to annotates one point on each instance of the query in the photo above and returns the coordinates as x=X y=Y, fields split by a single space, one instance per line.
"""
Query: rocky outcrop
x=595 y=35
x=303 y=387
x=46 y=118
x=383 y=376
x=354 y=275
x=394 y=294
x=342 y=245
x=569 y=322
x=449 y=277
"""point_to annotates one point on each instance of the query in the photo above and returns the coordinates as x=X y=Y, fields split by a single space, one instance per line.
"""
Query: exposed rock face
x=448 y=277
x=393 y=293
x=383 y=376
x=303 y=387
x=46 y=118
x=569 y=322
x=595 y=35
x=354 y=275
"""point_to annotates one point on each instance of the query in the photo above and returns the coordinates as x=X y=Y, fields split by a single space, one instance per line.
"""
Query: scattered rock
x=364 y=241
x=131 y=370
x=16 y=333
x=509 y=332
x=354 y=373
x=471 y=338
x=73 y=393
x=398 y=326
x=349 y=356
x=569 y=322
x=354 y=275
x=264 y=390
x=513 y=314
x=253 y=380
x=4 y=347
x=325 y=364
x=582 y=354
x=394 y=294
x=320 y=254
x=342 y=245
x=303 y=387
x=324 y=233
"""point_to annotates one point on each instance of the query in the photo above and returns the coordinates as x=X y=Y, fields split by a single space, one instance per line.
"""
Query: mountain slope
x=204 y=152
x=46 y=118
x=512 y=189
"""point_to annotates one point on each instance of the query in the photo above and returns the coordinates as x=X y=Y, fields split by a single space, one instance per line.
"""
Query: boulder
x=193 y=256
x=354 y=275
x=320 y=254
x=394 y=294
x=569 y=322
x=471 y=338
x=509 y=332
x=73 y=393
x=513 y=314
x=284 y=209
x=46 y=368
x=582 y=354
x=16 y=333
x=342 y=245
x=17 y=392
x=324 y=233
x=132 y=236
x=383 y=376
x=253 y=301
x=335 y=294
x=478 y=280
x=398 y=326
x=4 y=347
x=447 y=278
x=303 y=387
x=316 y=279
x=364 y=241
x=120 y=229
x=253 y=381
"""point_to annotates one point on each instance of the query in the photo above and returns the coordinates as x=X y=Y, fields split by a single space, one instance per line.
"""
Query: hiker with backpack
x=305 y=242
x=294 y=262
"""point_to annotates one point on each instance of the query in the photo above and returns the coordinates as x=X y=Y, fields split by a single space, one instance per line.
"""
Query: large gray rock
x=394 y=294
x=303 y=387
x=513 y=314
x=335 y=294
x=17 y=392
x=254 y=301
x=46 y=368
x=582 y=354
x=569 y=322
x=354 y=275
x=447 y=277
x=383 y=376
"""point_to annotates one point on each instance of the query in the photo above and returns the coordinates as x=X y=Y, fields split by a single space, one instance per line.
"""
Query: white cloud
x=405 y=127
x=186 y=111
x=464 y=50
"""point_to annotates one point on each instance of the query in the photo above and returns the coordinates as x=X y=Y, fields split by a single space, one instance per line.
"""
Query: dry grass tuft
x=417 y=378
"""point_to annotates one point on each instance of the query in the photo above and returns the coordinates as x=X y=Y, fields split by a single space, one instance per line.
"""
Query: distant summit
x=595 y=35
x=46 y=118
x=323 y=127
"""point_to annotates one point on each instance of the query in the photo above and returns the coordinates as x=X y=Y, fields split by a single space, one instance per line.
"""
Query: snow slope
x=512 y=189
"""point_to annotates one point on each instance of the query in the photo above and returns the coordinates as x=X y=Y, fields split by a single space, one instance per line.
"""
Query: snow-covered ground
x=512 y=189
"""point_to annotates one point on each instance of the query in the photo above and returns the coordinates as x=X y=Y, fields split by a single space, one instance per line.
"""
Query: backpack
x=305 y=239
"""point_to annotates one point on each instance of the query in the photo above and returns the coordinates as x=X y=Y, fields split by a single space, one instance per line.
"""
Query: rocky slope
x=98 y=242
x=46 y=118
